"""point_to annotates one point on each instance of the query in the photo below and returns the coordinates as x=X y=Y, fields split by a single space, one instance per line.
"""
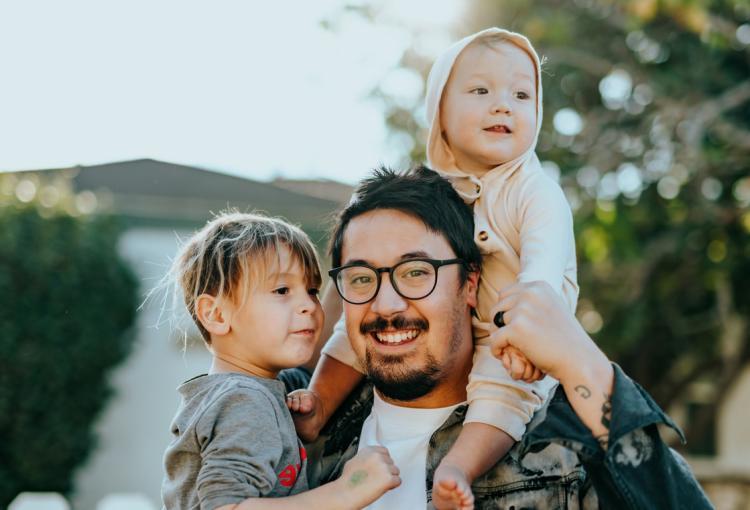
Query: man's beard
x=396 y=377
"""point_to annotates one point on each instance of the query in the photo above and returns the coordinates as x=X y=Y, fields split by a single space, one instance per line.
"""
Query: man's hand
x=541 y=327
x=367 y=476
x=538 y=324
x=307 y=413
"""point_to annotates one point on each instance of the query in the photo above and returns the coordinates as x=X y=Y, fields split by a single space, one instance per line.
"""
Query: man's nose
x=388 y=301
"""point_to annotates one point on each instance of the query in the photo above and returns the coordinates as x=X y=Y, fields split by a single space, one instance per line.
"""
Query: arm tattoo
x=357 y=478
x=606 y=411
x=606 y=420
x=583 y=391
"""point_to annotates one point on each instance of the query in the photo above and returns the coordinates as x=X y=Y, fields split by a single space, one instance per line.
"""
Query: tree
x=67 y=301
x=647 y=120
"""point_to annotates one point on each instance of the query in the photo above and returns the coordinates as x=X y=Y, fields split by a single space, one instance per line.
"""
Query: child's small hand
x=519 y=366
x=306 y=408
x=367 y=476
x=451 y=489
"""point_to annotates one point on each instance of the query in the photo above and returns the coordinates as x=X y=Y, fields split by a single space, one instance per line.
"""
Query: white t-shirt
x=406 y=433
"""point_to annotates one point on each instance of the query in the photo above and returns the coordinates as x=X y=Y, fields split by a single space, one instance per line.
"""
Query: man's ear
x=214 y=314
x=470 y=287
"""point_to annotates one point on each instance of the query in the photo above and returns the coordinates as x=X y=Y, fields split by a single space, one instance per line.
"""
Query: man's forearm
x=589 y=390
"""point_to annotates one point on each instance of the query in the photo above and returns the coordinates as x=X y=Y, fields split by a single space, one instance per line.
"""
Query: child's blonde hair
x=236 y=251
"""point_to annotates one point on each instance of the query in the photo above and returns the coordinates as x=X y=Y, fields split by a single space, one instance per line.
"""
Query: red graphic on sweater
x=288 y=475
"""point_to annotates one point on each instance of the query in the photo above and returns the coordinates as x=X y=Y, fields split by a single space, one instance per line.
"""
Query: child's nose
x=501 y=104
x=308 y=303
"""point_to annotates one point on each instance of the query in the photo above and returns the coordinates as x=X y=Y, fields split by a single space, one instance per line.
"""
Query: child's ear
x=213 y=314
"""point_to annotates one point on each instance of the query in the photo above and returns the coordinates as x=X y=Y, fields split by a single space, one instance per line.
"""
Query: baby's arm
x=365 y=478
x=545 y=225
x=333 y=378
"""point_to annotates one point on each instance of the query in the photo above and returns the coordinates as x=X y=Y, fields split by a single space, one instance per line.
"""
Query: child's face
x=488 y=109
x=278 y=323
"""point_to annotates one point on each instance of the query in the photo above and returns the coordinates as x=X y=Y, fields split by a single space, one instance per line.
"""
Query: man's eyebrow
x=411 y=255
x=415 y=255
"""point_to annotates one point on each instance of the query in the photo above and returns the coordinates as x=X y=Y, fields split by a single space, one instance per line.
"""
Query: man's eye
x=479 y=91
x=361 y=280
x=415 y=273
x=281 y=291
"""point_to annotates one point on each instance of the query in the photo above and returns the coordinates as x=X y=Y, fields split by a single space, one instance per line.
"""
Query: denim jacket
x=557 y=465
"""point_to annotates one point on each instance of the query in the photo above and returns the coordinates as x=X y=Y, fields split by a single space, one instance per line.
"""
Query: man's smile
x=395 y=337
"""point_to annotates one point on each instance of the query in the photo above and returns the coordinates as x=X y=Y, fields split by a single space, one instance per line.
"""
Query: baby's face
x=488 y=109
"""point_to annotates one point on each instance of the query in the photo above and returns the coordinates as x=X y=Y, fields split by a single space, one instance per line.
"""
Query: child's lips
x=305 y=332
x=499 y=128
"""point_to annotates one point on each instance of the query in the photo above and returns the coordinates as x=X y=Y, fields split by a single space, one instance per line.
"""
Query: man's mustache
x=398 y=322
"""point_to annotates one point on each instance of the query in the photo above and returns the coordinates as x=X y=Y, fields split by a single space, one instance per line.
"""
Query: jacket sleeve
x=638 y=470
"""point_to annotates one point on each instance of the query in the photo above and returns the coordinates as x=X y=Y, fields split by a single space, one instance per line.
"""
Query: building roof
x=152 y=191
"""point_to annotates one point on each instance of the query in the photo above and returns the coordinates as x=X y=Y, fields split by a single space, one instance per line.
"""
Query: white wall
x=733 y=425
x=134 y=429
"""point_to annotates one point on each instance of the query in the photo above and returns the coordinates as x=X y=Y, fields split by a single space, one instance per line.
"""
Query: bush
x=67 y=301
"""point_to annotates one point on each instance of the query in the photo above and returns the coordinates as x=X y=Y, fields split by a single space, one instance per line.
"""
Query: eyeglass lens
x=413 y=279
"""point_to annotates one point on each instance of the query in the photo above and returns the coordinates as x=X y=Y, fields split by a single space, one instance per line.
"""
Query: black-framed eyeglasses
x=359 y=283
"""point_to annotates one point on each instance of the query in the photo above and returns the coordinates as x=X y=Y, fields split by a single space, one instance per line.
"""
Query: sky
x=254 y=88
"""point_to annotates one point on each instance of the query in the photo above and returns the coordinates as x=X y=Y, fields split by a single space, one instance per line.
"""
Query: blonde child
x=250 y=284
x=484 y=104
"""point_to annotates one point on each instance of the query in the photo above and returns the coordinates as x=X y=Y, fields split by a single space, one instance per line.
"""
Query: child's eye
x=479 y=91
x=522 y=95
x=313 y=291
x=282 y=291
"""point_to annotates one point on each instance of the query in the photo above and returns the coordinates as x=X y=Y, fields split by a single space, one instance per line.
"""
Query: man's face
x=408 y=347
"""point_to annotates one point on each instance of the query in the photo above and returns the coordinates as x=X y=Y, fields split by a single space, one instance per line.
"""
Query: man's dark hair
x=423 y=194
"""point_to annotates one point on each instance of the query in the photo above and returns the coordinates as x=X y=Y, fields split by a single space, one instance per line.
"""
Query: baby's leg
x=477 y=449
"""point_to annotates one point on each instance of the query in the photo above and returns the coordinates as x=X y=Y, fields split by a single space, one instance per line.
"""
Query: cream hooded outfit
x=524 y=229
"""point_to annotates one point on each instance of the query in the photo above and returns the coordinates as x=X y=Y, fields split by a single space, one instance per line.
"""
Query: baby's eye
x=282 y=291
x=479 y=91
x=313 y=291
x=522 y=95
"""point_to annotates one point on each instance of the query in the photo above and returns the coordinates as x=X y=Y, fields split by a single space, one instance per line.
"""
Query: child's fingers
x=306 y=403
x=528 y=371
x=506 y=361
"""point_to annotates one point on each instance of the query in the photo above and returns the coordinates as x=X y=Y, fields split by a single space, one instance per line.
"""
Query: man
x=407 y=268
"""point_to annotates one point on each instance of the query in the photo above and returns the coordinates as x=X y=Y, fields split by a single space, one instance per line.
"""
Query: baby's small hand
x=306 y=409
x=369 y=475
x=519 y=366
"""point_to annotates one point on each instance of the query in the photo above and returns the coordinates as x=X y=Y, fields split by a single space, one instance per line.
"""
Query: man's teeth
x=396 y=337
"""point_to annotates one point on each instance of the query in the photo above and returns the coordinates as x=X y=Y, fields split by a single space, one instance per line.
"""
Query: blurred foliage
x=657 y=174
x=67 y=301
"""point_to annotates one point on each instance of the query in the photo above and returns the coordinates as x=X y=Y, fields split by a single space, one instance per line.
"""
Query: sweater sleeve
x=339 y=347
x=240 y=447
x=546 y=236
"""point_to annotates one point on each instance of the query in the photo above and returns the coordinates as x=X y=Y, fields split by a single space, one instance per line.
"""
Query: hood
x=439 y=156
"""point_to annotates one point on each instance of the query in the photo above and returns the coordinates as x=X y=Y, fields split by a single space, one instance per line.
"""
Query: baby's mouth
x=499 y=128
